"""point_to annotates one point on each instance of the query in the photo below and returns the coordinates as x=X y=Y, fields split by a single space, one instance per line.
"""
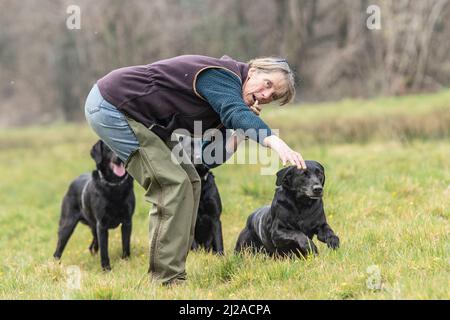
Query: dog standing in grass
x=102 y=200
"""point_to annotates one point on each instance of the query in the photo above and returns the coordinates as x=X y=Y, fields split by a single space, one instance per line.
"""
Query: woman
x=134 y=110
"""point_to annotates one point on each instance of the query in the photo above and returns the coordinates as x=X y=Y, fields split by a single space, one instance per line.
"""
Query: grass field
x=386 y=196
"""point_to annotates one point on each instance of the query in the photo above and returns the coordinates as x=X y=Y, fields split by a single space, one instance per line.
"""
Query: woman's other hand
x=256 y=108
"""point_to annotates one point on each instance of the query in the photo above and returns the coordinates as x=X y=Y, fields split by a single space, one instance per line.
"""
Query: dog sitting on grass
x=102 y=200
x=208 y=226
x=288 y=226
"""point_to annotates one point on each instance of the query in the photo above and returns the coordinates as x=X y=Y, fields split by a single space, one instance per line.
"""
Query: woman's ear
x=251 y=72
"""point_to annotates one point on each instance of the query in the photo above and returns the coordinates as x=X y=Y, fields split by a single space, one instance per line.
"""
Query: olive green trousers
x=173 y=187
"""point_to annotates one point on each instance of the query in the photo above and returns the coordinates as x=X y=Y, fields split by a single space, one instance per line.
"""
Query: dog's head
x=202 y=171
x=107 y=162
x=304 y=183
x=193 y=148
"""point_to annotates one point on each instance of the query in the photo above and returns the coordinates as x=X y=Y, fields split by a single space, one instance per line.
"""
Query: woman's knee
x=180 y=187
x=183 y=183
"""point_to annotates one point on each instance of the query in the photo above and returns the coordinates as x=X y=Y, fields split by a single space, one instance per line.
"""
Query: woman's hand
x=285 y=153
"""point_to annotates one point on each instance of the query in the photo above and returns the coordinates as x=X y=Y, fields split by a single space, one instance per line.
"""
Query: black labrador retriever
x=208 y=227
x=288 y=226
x=102 y=200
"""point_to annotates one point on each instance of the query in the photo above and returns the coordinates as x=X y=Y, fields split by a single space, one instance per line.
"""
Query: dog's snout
x=116 y=160
x=317 y=189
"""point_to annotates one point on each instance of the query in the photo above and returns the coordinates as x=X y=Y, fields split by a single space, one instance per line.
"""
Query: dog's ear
x=323 y=182
x=323 y=172
x=283 y=176
x=97 y=152
x=318 y=164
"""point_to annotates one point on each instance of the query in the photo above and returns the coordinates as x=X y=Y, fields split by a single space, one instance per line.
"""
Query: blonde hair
x=275 y=64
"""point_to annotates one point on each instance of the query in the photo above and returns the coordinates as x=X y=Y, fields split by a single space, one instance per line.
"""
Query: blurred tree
x=46 y=70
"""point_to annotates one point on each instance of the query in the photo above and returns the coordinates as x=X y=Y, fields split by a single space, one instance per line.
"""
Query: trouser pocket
x=90 y=109
x=93 y=101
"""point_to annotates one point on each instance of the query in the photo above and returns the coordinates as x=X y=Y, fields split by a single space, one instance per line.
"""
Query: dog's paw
x=126 y=256
x=310 y=248
x=106 y=268
x=307 y=246
x=313 y=249
x=219 y=253
x=333 y=242
x=194 y=245
x=93 y=250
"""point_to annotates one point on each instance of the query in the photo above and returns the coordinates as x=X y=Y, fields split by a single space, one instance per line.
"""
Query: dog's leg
x=218 y=239
x=293 y=240
x=307 y=246
x=248 y=241
x=66 y=226
x=102 y=233
x=126 y=236
x=93 y=248
x=194 y=245
x=327 y=235
x=208 y=244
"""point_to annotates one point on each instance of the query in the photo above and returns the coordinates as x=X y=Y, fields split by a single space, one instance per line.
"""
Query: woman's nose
x=267 y=94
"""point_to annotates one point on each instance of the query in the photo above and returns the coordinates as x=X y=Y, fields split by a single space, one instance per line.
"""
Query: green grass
x=387 y=197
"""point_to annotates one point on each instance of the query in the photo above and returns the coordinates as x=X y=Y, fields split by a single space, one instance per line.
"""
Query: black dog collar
x=113 y=184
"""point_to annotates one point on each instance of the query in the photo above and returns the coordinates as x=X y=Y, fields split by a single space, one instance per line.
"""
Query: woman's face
x=261 y=86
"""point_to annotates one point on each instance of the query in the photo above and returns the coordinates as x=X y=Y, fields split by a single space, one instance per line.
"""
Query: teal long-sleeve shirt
x=223 y=91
